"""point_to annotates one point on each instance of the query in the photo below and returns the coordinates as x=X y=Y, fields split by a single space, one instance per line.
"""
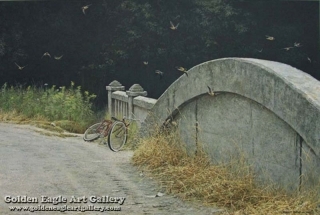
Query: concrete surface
x=268 y=109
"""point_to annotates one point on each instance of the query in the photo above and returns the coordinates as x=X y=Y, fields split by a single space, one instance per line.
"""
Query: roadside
x=35 y=165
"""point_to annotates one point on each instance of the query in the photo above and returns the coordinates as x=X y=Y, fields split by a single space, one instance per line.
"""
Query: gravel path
x=65 y=173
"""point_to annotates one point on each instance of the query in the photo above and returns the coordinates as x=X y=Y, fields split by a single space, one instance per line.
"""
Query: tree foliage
x=114 y=38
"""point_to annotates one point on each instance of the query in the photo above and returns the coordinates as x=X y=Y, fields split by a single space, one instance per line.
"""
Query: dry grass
x=229 y=185
x=6 y=116
x=62 y=135
x=56 y=128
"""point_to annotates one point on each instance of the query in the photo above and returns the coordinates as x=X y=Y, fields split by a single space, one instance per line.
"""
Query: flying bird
x=182 y=69
x=178 y=16
x=173 y=27
x=288 y=48
x=84 y=8
x=270 y=37
x=297 y=44
x=46 y=54
x=210 y=92
x=20 y=67
x=260 y=50
x=309 y=59
x=58 y=58
x=145 y=62
x=158 y=72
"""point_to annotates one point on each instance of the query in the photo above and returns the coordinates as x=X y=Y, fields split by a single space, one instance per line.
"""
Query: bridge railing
x=132 y=104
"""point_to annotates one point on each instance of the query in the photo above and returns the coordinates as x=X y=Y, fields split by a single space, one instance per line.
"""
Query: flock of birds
x=295 y=45
x=210 y=90
x=179 y=68
x=47 y=54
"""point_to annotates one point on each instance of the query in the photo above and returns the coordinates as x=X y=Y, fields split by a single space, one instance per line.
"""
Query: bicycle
x=115 y=131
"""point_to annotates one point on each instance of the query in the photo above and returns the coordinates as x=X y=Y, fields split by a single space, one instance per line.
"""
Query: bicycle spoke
x=92 y=133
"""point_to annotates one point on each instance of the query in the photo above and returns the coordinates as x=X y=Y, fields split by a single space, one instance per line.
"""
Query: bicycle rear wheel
x=117 y=136
x=93 y=132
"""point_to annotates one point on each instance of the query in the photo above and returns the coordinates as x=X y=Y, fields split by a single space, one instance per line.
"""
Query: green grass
x=69 y=107
x=133 y=137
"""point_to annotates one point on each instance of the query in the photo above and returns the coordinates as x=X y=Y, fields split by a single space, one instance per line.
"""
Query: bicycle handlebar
x=114 y=118
x=130 y=119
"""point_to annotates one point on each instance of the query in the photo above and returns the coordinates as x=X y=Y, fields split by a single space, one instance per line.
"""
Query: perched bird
x=159 y=194
x=297 y=44
x=158 y=72
x=173 y=27
x=270 y=37
x=46 y=54
x=167 y=121
x=210 y=92
x=84 y=8
x=182 y=69
x=288 y=48
x=58 y=58
x=20 y=67
x=145 y=62
x=174 y=123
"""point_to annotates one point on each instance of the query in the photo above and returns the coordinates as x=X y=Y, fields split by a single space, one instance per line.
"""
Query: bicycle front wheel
x=117 y=136
x=93 y=132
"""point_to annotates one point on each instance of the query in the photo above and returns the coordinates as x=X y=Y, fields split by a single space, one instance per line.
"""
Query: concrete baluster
x=113 y=86
x=134 y=90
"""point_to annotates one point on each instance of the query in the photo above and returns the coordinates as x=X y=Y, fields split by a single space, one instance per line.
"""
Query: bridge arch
x=270 y=109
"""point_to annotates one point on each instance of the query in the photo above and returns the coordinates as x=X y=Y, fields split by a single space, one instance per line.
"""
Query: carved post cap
x=115 y=86
x=136 y=90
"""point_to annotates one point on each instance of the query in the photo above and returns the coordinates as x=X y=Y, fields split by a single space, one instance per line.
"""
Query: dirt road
x=39 y=172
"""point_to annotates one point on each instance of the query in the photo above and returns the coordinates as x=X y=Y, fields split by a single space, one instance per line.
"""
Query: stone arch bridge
x=267 y=110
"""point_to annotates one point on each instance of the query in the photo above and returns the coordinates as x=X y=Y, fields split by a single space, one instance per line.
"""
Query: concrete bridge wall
x=267 y=110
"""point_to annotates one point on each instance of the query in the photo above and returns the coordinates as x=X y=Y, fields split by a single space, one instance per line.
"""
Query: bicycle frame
x=105 y=123
x=105 y=127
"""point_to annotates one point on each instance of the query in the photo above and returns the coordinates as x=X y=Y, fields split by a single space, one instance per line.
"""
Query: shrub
x=53 y=104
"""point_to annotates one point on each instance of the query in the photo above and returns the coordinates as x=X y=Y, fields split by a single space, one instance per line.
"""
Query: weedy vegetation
x=66 y=107
x=133 y=136
x=230 y=185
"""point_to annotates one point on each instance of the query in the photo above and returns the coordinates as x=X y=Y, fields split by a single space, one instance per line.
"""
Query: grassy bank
x=68 y=107
x=229 y=185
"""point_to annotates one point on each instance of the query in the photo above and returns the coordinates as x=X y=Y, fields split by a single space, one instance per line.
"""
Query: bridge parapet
x=131 y=104
x=269 y=110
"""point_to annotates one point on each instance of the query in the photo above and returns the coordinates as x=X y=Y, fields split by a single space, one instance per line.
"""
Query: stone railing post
x=135 y=90
x=113 y=86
